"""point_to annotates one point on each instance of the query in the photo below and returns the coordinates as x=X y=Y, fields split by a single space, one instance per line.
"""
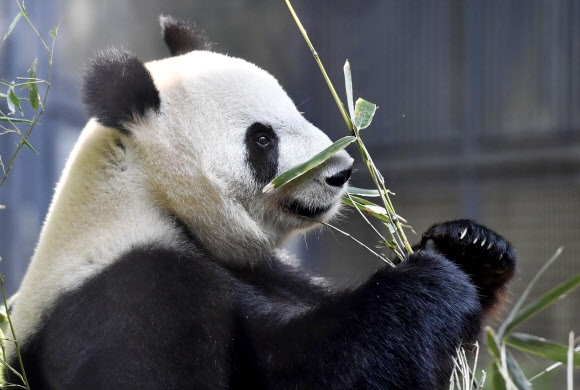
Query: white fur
x=97 y=213
x=187 y=161
x=196 y=156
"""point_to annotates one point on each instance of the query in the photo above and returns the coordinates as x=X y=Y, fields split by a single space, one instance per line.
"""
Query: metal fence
x=479 y=117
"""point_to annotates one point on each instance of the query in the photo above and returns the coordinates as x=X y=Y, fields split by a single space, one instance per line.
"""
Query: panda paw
x=488 y=259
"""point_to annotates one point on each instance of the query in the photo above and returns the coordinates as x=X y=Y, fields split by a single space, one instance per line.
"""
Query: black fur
x=180 y=37
x=492 y=261
x=117 y=89
x=165 y=319
x=262 y=158
x=309 y=211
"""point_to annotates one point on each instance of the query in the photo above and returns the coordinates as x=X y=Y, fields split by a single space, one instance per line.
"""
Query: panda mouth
x=297 y=208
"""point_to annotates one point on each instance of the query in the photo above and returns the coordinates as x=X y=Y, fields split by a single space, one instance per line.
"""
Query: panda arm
x=400 y=328
x=397 y=330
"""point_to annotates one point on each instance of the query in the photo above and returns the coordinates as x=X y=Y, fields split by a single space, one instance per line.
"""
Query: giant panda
x=159 y=263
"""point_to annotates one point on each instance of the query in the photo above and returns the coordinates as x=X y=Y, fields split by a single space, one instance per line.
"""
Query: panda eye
x=263 y=140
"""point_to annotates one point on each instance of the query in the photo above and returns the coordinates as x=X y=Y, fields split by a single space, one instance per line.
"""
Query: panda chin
x=297 y=208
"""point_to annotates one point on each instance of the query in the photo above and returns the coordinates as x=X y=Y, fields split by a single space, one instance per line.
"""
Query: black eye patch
x=262 y=152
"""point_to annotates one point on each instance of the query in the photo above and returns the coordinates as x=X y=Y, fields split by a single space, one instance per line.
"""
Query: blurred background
x=479 y=113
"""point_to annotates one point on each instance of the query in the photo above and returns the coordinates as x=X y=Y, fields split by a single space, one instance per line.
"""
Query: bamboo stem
x=324 y=74
x=16 y=345
x=399 y=237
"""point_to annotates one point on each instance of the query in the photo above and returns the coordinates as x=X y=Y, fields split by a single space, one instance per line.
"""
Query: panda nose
x=338 y=179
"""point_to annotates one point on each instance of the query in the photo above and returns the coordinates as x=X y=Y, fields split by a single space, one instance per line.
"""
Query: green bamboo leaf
x=9 y=101
x=516 y=373
x=53 y=32
x=541 y=347
x=346 y=200
x=363 y=192
x=28 y=145
x=363 y=113
x=12 y=25
x=301 y=169
x=542 y=302
x=348 y=87
x=14 y=120
x=390 y=244
x=496 y=379
x=524 y=295
x=363 y=201
x=32 y=69
x=15 y=100
x=492 y=343
x=33 y=92
x=367 y=207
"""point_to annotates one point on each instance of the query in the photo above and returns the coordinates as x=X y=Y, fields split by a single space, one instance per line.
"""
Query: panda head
x=209 y=132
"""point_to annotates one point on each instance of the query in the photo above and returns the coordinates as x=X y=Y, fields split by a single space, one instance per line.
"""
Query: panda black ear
x=117 y=89
x=180 y=37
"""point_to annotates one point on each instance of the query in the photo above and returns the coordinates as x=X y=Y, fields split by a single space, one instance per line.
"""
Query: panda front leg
x=399 y=329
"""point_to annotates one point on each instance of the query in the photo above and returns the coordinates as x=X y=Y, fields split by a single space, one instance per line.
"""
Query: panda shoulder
x=164 y=268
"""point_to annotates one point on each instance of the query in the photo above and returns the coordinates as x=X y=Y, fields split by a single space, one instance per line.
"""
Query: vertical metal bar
x=470 y=186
